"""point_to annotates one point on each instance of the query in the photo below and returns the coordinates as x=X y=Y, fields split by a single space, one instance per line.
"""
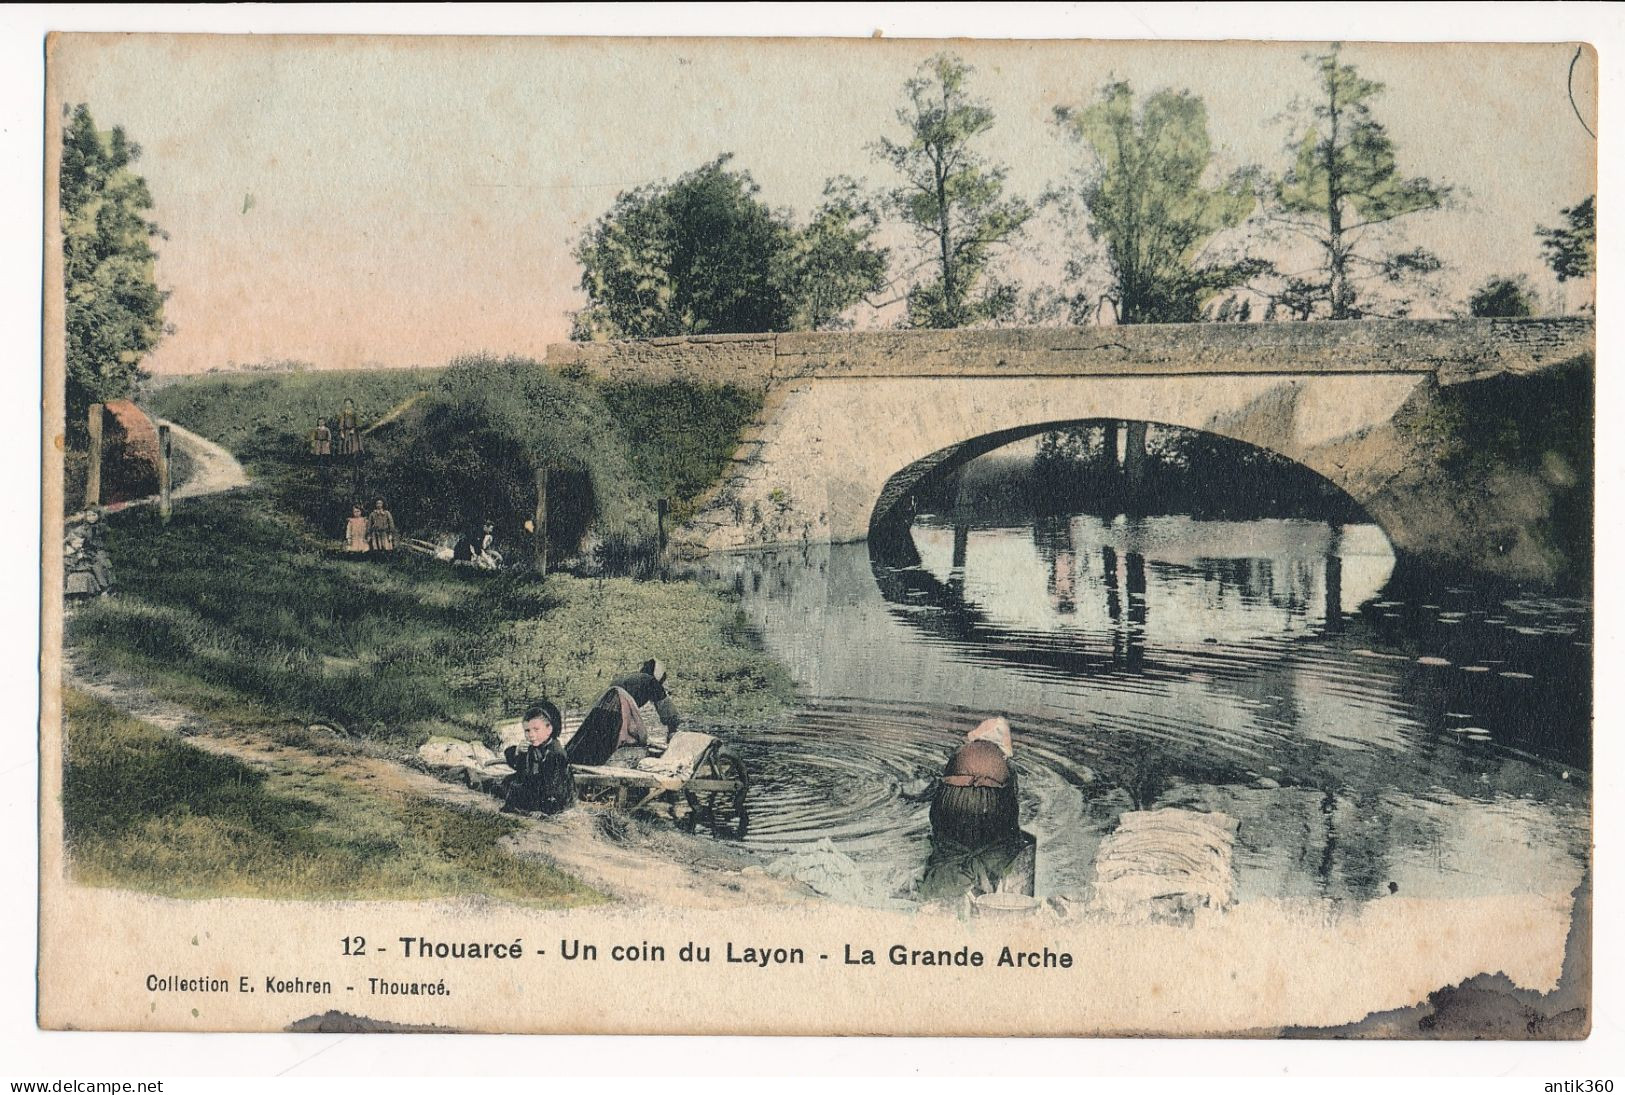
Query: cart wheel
x=722 y=808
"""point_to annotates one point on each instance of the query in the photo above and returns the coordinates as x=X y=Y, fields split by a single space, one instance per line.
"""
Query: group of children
x=322 y=440
x=371 y=532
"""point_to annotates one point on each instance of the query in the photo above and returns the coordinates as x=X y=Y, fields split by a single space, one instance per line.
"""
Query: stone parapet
x=1453 y=349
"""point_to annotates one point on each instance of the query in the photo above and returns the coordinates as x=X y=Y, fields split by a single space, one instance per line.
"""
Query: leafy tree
x=469 y=449
x=696 y=256
x=705 y=255
x=1502 y=297
x=1147 y=203
x=1571 y=248
x=952 y=198
x=1343 y=194
x=832 y=263
x=114 y=310
x=1060 y=450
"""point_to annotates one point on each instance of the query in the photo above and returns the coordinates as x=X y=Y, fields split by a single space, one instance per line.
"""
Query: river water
x=1371 y=735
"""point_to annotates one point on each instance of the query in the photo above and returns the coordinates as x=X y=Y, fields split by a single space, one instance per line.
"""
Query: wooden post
x=541 y=520
x=662 y=507
x=164 y=503
x=93 y=475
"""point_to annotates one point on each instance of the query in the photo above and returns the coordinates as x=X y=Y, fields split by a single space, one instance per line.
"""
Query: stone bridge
x=851 y=422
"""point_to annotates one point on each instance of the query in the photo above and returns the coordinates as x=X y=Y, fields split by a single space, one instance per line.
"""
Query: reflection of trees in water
x=1137 y=467
x=942 y=609
x=1112 y=572
x=1328 y=821
x=1134 y=633
x=1290 y=584
x=1052 y=537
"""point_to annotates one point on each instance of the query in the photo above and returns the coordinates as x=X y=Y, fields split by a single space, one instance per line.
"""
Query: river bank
x=161 y=799
x=243 y=617
x=233 y=608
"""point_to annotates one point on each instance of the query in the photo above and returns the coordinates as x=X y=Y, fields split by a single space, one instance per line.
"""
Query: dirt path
x=634 y=861
x=214 y=469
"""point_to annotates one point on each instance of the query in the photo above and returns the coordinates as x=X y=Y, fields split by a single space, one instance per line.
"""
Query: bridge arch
x=890 y=520
x=819 y=469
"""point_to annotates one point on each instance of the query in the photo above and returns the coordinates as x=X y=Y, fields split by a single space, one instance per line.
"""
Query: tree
x=705 y=255
x=1502 y=297
x=1571 y=248
x=951 y=198
x=696 y=256
x=1343 y=194
x=1234 y=308
x=114 y=310
x=833 y=263
x=1147 y=203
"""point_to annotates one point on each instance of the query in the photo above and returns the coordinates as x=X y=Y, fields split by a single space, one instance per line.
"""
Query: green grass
x=681 y=435
x=633 y=443
x=596 y=629
x=266 y=419
x=243 y=605
x=244 y=609
x=143 y=809
x=234 y=609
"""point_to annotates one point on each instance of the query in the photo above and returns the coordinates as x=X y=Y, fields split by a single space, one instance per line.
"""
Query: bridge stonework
x=851 y=421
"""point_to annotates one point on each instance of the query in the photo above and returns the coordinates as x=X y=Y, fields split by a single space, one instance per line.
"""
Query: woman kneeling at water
x=614 y=721
x=977 y=845
x=976 y=803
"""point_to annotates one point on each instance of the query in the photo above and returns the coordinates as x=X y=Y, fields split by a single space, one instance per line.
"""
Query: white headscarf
x=995 y=730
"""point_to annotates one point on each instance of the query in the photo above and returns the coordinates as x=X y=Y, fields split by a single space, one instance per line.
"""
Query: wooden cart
x=696 y=777
x=420 y=547
x=690 y=776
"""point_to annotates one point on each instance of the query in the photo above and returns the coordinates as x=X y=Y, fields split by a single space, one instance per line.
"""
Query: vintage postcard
x=768 y=536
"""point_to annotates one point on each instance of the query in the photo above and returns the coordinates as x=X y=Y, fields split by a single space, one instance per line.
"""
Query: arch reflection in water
x=1124 y=592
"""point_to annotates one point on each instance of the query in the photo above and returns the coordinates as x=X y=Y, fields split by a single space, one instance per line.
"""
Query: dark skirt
x=600 y=733
x=543 y=788
x=976 y=816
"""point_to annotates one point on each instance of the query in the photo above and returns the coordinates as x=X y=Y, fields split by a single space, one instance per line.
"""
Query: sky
x=351 y=201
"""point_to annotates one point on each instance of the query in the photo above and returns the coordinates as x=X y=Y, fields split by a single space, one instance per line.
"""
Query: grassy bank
x=235 y=608
x=144 y=809
x=451 y=446
x=265 y=419
x=244 y=609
